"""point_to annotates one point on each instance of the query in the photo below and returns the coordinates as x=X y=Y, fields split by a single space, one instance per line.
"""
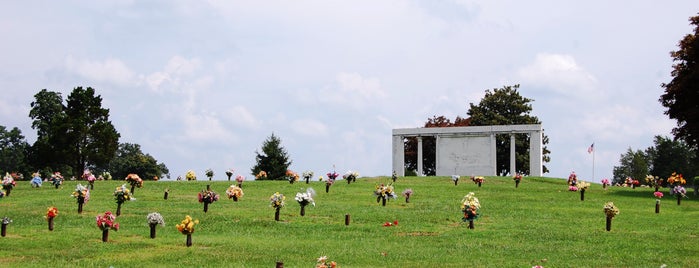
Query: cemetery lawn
x=539 y=223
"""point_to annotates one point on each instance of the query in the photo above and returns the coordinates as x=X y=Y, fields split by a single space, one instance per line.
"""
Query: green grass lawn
x=539 y=223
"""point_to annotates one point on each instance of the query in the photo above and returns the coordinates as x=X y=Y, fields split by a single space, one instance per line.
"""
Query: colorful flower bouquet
x=121 y=194
x=572 y=179
x=8 y=182
x=135 y=181
x=676 y=181
x=323 y=263
x=610 y=210
x=470 y=206
x=307 y=175
x=106 y=175
x=154 y=219
x=5 y=221
x=389 y=224
x=605 y=183
x=582 y=186
x=234 y=192
x=207 y=197
x=407 y=193
x=291 y=176
x=229 y=173
x=56 y=179
x=106 y=222
x=394 y=176
x=572 y=188
x=190 y=175
x=351 y=176
x=209 y=173
x=239 y=179
x=657 y=195
x=90 y=178
x=51 y=213
x=277 y=202
x=383 y=192
x=262 y=175
x=517 y=178
x=36 y=180
x=82 y=194
x=455 y=178
x=186 y=227
x=331 y=179
x=478 y=180
x=654 y=181
x=305 y=198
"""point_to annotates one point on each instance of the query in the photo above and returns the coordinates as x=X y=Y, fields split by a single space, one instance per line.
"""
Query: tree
x=682 y=92
x=46 y=112
x=668 y=156
x=130 y=159
x=504 y=106
x=14 y=150
x=634 y=164
x=274 y=159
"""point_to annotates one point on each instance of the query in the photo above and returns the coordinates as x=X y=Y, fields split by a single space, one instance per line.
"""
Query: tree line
x=73 y=135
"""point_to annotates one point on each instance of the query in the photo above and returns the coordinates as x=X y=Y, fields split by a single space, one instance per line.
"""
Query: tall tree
x=13 y=151
x=634 y=164
x=130 y=159
x=274 y=159
x=668 y=156
x=89 y=137
x=505 y=106
x=46 y=112
x=682 y=93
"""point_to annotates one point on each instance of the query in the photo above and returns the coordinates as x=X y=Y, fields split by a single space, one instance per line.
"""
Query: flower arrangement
x=107 y=221
x=654 y=181
x=51 y=213
x=307 y=175
x=207 y=196
x=322 y=262
x=277 y=200
x=155 y=218
x=331 y=177
x=605 y=183
x=122 y=194
x=186 y=227
x=351 y=176
x=291 y=176
x=389 y=224
x=234 y=192
x=56 y=179
x=81 y=193
x=190 y=175
x=407 y=193
x=517 y=177
x=239 y=179
x=470 y=206
x=676 y=179
x=106 y=175
x=36 y=180
x=610 y=210
x=261 y=175
x=455 y=178
x=394 y=176
x=572 y=178
x=572 y=188
x=209 y=173
x=679 y=190
x=88 y=176
x=229 y=173
x=658 y=195
x=478 y=180
x=6 y=220
x=305 y=198
x=134 y=180
x=383 y=192
x=582 y=185
x=8 y=182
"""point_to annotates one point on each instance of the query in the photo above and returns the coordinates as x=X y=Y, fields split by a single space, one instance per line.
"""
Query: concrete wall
x=466 y=156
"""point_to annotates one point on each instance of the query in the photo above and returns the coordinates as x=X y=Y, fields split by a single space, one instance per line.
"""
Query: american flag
x=591 y=149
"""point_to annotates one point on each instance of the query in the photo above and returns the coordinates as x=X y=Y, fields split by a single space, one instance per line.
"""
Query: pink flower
x=658 y=195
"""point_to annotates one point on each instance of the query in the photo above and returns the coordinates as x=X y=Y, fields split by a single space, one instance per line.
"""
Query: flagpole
x=593 y=165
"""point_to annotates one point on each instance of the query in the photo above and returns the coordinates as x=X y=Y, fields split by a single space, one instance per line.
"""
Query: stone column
x=436 y=153
x=398 y=155
x=419 y=156
x=513 y=153
x=535 y=154
x=493 y=154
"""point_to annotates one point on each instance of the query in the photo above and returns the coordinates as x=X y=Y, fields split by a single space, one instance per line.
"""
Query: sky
x=202 y=84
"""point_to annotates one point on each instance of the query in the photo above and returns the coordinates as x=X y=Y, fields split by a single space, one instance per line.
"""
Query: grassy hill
x=539 y=223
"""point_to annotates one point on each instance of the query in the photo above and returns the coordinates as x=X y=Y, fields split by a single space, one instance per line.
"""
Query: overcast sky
x=201 y=84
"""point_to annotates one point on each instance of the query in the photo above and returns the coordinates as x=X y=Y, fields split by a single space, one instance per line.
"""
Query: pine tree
x=274 y=159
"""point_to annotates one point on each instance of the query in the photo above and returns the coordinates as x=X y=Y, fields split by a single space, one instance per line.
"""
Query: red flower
x=395 y=222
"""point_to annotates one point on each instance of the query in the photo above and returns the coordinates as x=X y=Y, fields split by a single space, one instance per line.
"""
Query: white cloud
x=309 y=127
x=178 y=65
x=241 y=116
x=367 y=88
x=561 y=74
x=110 y=70
x=204 y=128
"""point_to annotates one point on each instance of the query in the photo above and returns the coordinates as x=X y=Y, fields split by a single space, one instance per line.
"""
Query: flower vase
x=56 y=185
x=349 y=180
x=327 y=187
x=229 y=176
x=656 y=188
x=165 y=195
x=51 y=224
x=118 y=213
x=470 y=224
x=189 y=240
x=633 y=186
x=383 y=201
x=105 y=235
x=516 y=184
x=456 y=182
x=582 y=194
x=609 y=223
x=407 y=198
x=276 y=214
x=279 y=265
x=235 y=198
x=303 y=210
x=679 y=198
x=3 y=230
x=206 y=206
x=81 y=201
x=7 y=191
x=291 y=181
x=133 y=187
x=152 y=230
x=479 y=184
x=604 y=186
x=92 y=185
x=347 y=219
x=657 y=206
x=308 y=179
x=240 y=185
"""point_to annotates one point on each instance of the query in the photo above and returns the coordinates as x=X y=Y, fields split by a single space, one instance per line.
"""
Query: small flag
x=591 y=149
